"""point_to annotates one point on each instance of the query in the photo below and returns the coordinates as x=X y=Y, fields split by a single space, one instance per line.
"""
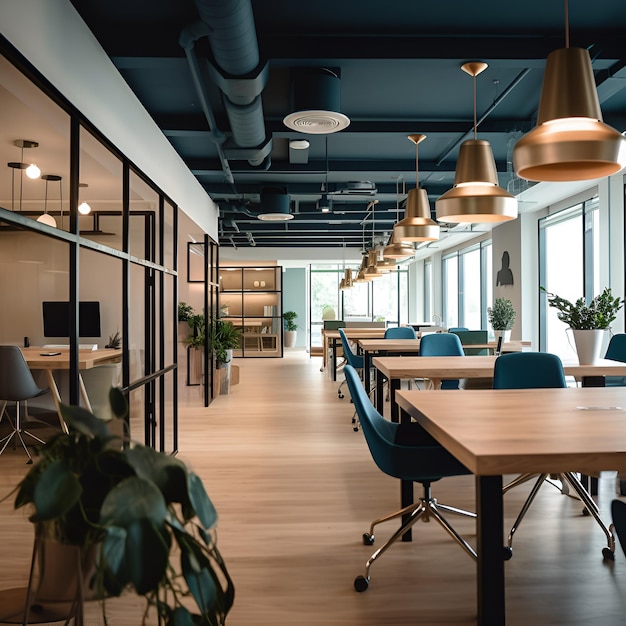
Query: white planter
x=588 y=345
x=505 y=334
x=290 y=338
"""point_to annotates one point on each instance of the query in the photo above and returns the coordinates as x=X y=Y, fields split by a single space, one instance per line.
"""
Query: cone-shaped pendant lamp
x=398 y=249
x=570 y=141
x=361 y=277
x=372 y=270
x=417 y=224
x=476 y=197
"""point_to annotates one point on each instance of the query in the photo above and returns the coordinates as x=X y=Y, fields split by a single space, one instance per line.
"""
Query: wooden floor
x=295 y=488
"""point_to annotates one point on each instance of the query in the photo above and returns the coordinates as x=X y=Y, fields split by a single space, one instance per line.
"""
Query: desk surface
x=356 y=333
x=86 y=358
x=452 y=367
x=526 y=430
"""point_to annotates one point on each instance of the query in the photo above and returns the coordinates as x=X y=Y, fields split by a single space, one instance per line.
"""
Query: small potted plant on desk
x=502 y=317
x=588 y=322
x=290 y=328
x=130 y=518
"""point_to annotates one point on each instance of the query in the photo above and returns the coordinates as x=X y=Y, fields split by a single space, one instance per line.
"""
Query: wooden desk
x=87 y=359
x=332 y=338
x=372 y=346
x=496 y=432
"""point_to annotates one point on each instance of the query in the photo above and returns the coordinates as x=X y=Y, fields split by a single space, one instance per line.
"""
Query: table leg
x=394 y=385
x=406 y=486
x=380 y=401
x=367 y=364
x=591 y=482
x=334 y=359
x=490 y=579
x=56 y=396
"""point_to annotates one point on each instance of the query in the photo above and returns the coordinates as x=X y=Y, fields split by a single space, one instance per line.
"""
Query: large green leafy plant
x=149 y=515
x=223 y=336
x=502 y=314
x=597 y=315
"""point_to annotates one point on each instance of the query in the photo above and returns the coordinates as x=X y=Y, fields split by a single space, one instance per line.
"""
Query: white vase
x=588 y=345
x=505 y=334
x=290 y=338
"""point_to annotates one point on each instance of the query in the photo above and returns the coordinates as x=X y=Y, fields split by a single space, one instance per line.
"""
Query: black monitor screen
x=56 y=319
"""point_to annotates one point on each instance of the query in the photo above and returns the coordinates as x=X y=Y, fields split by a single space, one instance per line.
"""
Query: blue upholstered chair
x=616 y=352
x=401 y=332
x=442 y=344
x=618 y=513
x=456 y=329
x=407 y=452
x=355 y=360
x=535 y=370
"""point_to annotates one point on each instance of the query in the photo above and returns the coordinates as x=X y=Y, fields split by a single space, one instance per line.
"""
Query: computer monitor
x=56 y=319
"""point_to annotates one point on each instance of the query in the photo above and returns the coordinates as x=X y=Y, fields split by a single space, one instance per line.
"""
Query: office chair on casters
x=534 y=370
x=616 y=351
x=408 y=452
x=442 y=344
x=16 y=385
x=353 y=360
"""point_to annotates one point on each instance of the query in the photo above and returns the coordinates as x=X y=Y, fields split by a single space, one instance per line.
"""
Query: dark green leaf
x=118 y=402
x=146 y=554
x=199 y=581
x=201 y=502
x=56 y=492
x=82 y=421
x=133 y=499
x=116 y=575
x=180 y=617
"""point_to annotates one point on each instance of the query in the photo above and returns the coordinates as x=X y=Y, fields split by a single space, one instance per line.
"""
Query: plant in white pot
x=290 y=328
x=589 y=322
x=502 y=317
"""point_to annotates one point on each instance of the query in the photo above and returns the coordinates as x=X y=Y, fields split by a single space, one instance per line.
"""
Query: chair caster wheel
x=368 y=540
x=608 y=554
x=361 y=583
x=507 y=553
x=356 y=429
x=340 y=396
x=585 y=512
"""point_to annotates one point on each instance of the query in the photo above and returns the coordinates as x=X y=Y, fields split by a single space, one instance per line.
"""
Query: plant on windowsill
x=290 y=328
x=579 y=316
x=502 y=317
x=144 y=514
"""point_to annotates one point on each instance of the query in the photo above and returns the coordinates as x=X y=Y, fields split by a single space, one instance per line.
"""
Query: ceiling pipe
x=237 y=69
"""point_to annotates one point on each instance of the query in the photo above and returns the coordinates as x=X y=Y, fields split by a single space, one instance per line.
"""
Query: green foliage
x=597 y=315
x=142 y=507
x=289 y=317
x=223 y=336
x=115 y=340
x=197 y=323
x=185 y=311
x=502 y=314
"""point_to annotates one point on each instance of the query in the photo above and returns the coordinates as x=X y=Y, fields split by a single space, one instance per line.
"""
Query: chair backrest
x=394 y=446
x=364 y=324
x=469 y=337
x=401 y=332
x=442 y=344
x=528 y=370
x=353 y=359
x=617 y=348
x=456 y=329
x=16 y=380
x=618 y=513
x=334 y=324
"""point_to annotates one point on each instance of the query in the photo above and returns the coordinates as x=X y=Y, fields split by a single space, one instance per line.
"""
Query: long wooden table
x=87 y=359
x=332 y=339
x=496 y=432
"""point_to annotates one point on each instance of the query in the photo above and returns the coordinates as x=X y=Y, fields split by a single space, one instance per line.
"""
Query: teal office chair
x=442 y=344
x=408 y=452
x=457 y=329
x=618 y=513
x=16 y=385
x=469 y=338
x=355 y=360
x=535 y=370
x=616 y=351
x=401 y=332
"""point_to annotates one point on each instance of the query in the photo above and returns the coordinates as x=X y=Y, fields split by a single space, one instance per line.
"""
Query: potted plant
x=144 y=514
x=588 y=322
x=185 y=311
x=224 y=337
x=502 y=317
x=290 y=328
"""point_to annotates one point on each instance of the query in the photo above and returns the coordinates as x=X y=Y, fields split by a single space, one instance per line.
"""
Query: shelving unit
x=252 y=299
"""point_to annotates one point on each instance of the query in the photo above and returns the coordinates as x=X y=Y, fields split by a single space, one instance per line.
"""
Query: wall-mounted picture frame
x=195 y=262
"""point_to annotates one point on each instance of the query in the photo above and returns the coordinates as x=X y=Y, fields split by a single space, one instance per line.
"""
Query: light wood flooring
x=296 y=487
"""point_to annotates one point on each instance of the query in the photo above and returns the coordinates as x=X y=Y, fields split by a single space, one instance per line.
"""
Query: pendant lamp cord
x=475 y=123
x=566 y=24
x=45 y=201
x=417 y=178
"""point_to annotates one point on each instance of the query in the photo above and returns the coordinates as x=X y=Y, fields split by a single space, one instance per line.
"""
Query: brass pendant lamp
x=476 y=197
x=361 y=277
x=396 y=249
x=417 y=224
x=570 y=141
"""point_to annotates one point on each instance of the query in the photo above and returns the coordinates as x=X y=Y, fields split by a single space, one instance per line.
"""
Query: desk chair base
x=608 y=553
x=17 y=432
x=425 y=509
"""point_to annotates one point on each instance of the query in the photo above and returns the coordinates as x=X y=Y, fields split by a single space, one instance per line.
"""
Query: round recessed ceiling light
x=316 y=122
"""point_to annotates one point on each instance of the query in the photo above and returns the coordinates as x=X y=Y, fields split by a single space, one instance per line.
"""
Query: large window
x=569 y=266
x=467 y=286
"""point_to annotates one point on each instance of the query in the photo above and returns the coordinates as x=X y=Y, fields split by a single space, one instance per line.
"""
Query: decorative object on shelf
x=417 y=224
x=262 y=283
x=588 y=322
x=290 y=328
x=115 y=340
x=476 y=196
x=256 y=283
x=138 y=509
x=570 y=141
x=502 y=317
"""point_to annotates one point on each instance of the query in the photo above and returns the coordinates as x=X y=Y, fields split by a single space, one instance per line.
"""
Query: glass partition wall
x=91 y=234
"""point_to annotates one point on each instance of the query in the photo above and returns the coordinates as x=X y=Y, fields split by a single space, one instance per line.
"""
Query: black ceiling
x=399 y=68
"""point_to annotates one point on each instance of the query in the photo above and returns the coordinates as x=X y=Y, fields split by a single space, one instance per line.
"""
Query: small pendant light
x=398 y=249
x=476 y=197
x=45 y=217
x=570 y=141
x=417 y=224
